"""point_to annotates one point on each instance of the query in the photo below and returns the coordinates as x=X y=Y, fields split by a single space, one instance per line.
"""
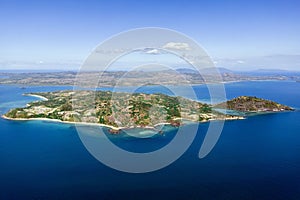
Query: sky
x=240 y=35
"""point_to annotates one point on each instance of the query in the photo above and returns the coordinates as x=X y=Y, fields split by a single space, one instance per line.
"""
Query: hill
x=253 y=104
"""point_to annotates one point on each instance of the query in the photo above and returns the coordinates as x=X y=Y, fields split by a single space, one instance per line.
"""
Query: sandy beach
x=37 y=96
x=113 y=127
x=59 y=121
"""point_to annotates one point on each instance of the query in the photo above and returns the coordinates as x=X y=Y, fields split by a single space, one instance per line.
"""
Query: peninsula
x=119 y=110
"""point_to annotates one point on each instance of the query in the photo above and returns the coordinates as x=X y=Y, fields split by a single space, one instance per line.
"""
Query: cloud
x=177 y=46
x=240 y=61
x=152 y=51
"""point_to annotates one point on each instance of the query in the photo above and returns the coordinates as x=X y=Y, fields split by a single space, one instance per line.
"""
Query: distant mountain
x=186 y=71
x=205 y=70
x=253 y=73
x=225 y=70
x=270 y=72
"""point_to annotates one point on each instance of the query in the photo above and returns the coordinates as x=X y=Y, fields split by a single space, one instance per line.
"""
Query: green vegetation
x=130 y=110
x=252 y=104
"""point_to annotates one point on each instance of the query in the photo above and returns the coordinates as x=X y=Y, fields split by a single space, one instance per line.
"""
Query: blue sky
x=239 y=35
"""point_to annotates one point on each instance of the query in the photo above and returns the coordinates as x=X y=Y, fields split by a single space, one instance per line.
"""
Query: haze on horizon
x=245 y=35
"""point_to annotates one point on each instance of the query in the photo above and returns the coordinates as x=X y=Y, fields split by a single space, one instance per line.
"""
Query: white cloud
x=177 y=46
x=152 y=51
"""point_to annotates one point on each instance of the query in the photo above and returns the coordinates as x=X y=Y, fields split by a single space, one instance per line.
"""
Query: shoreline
x=60 y=121
x=192 y=84
x=117 y=128
x=84 y=123
x=37 y=96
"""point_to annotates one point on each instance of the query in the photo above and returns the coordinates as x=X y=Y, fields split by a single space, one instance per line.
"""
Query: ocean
x=255 y=158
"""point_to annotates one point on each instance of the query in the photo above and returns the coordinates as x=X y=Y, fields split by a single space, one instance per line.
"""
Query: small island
x=248 y=104
x=120 y=110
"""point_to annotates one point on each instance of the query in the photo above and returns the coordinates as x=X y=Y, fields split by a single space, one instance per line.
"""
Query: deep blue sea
x=256 y=158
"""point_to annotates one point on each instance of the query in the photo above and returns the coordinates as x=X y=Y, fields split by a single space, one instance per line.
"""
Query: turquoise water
x=256 y=158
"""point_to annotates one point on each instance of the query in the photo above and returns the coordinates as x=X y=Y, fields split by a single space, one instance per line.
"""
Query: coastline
x=64 y=122
x=85 y=123
x=37 y=96
x=191 y=84
x=113 y=127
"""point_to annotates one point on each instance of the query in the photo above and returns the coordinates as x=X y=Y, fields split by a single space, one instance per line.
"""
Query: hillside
x=126 y=110
x=253 y=104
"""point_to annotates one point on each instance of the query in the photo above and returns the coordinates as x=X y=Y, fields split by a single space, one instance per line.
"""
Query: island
x=120 y=110
x=249 y=104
